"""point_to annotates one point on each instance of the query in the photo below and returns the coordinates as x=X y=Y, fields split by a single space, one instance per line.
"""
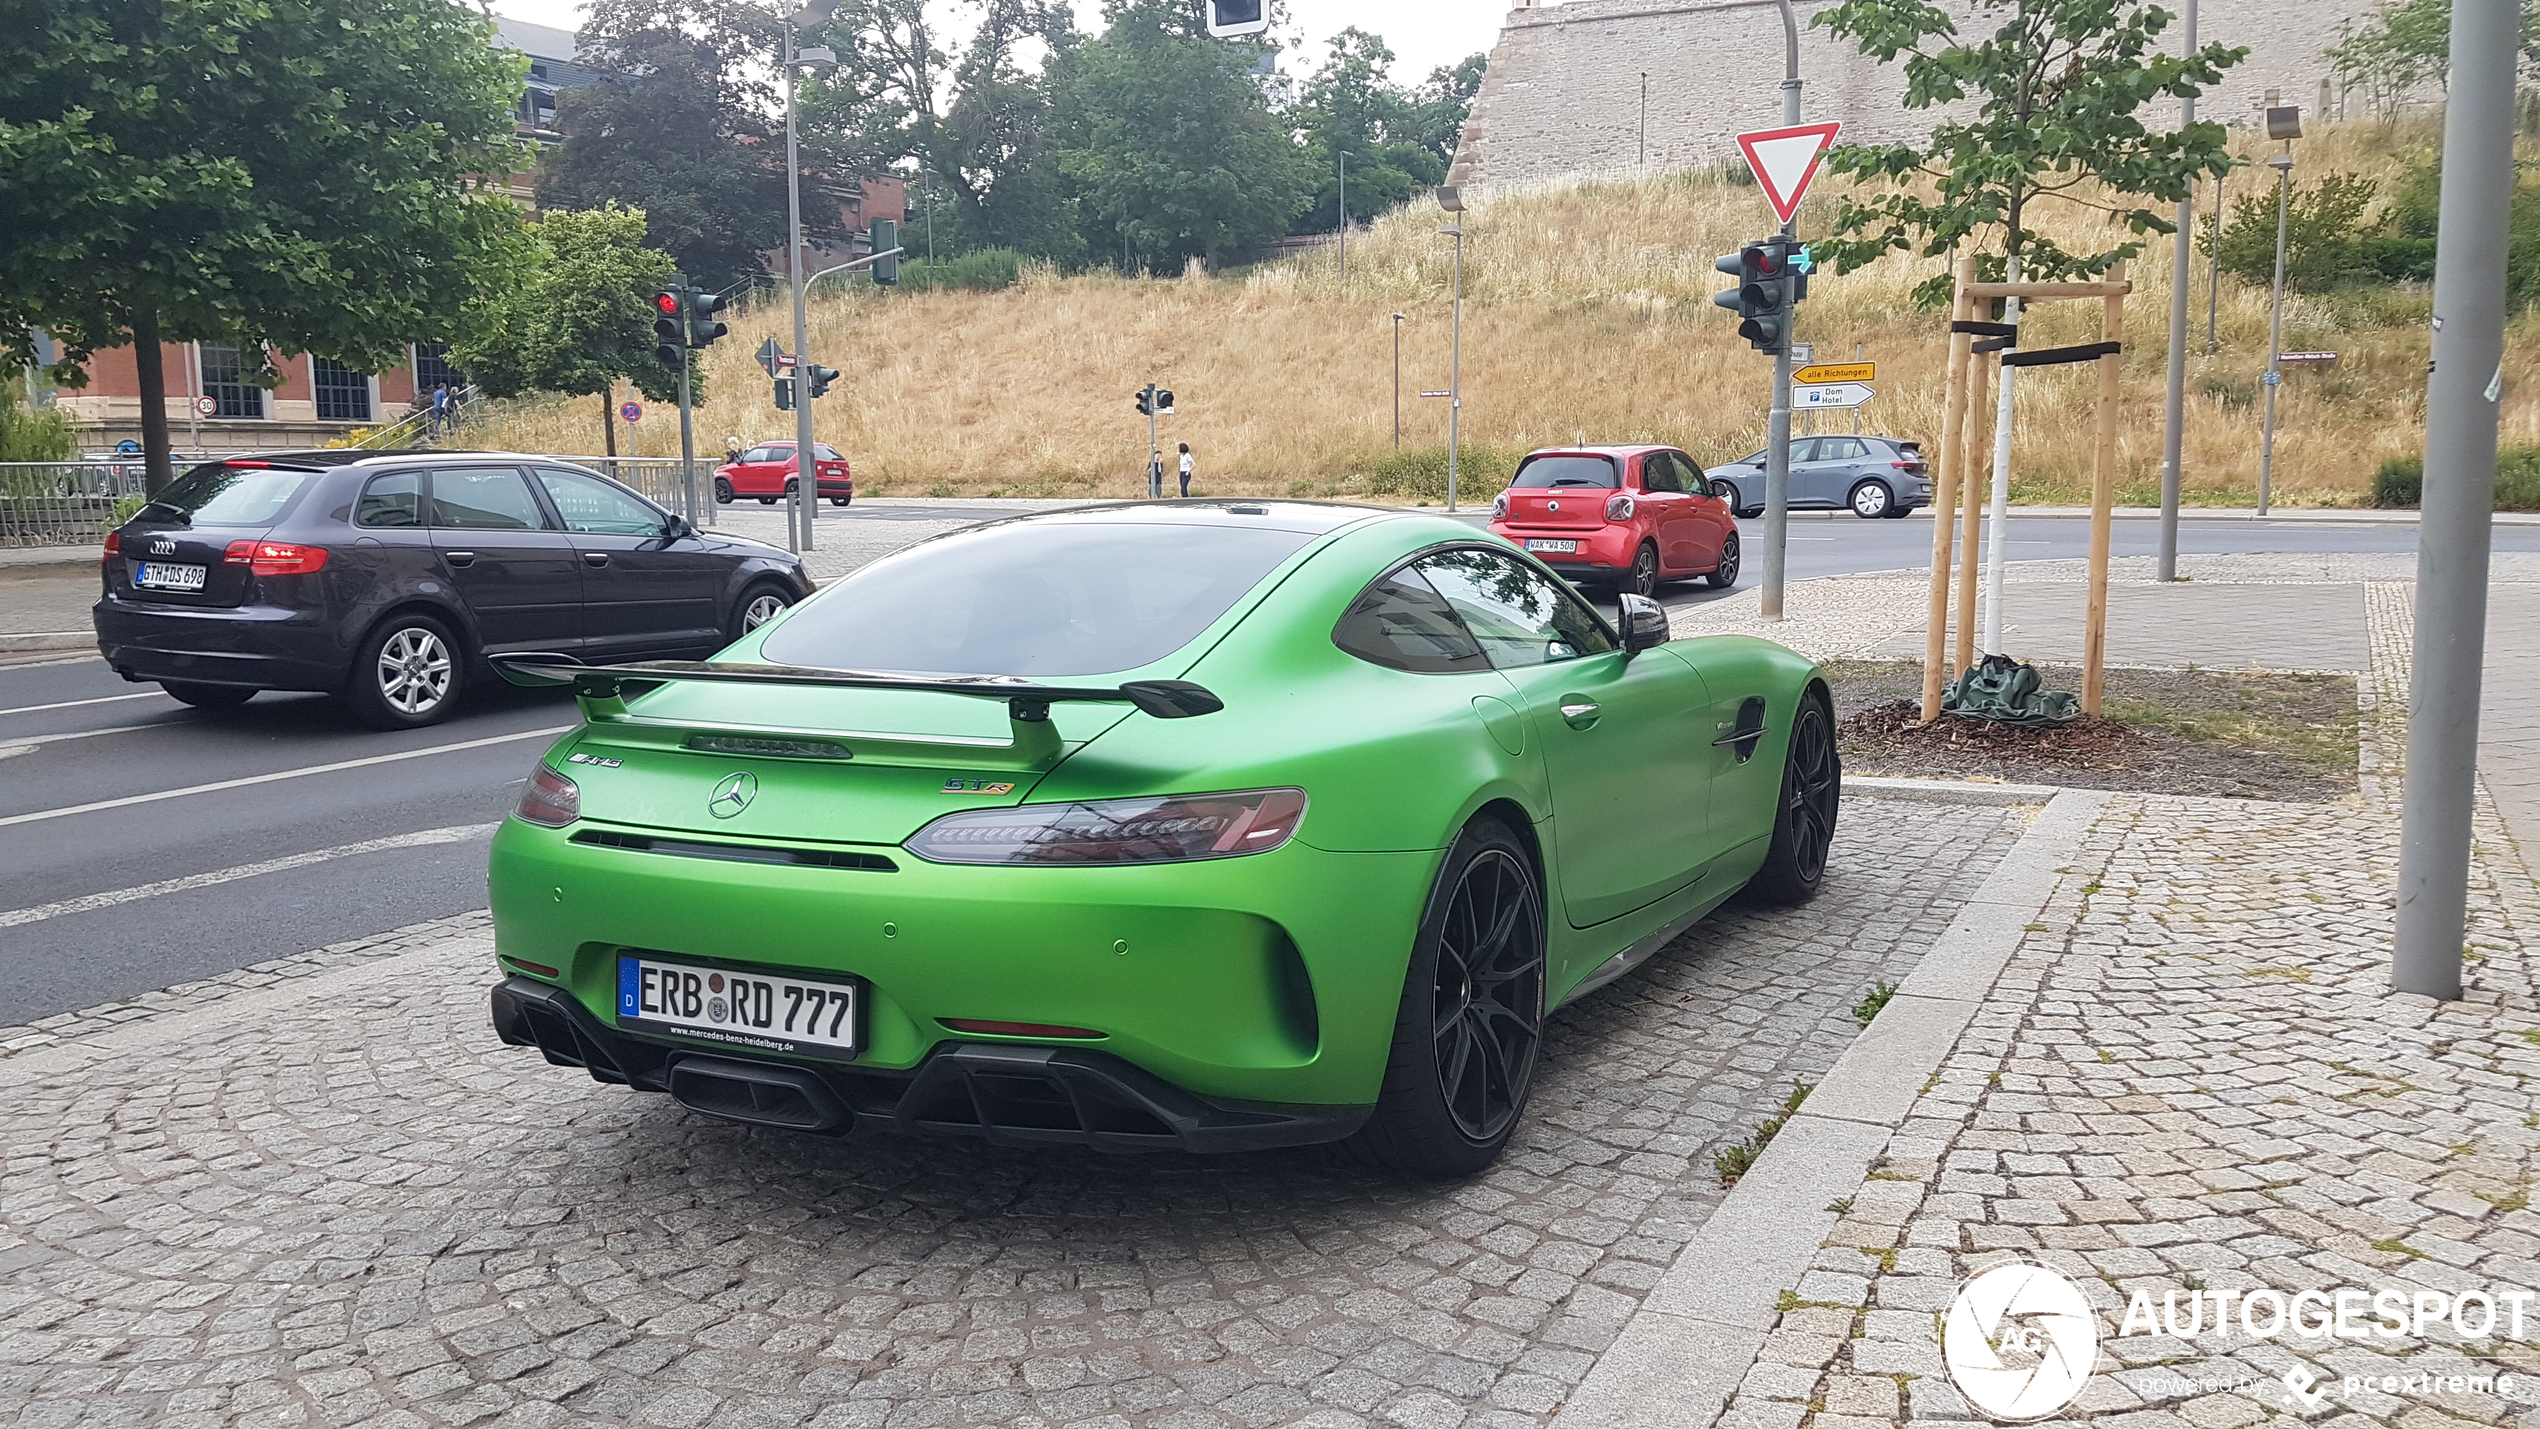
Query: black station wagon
x=387 y=580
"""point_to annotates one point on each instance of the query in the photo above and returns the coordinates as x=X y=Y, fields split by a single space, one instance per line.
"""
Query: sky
x=1423 y=34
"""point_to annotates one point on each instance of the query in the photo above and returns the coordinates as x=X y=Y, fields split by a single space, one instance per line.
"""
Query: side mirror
x=677 y=527
x=1644 y=623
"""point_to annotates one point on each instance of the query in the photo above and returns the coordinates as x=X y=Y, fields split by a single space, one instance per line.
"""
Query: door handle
x=460 y=559
x=595 y=558
x=1578 y=713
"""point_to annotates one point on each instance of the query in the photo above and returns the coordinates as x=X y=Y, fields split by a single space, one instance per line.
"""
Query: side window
x=1658 y=473
x=1402 y=624
x=484 y=498
x=758 y=454
x=392 y=500
x=1802 y=449
x=1839 y=449
x=596 y=508
x=1519 y=616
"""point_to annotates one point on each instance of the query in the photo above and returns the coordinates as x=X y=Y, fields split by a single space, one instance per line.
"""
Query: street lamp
x=2283 y=123
x=1397 y=382
x=1452 y=200
x=818 y=60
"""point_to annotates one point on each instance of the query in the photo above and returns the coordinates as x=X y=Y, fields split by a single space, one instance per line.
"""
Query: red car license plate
x=1555 y=547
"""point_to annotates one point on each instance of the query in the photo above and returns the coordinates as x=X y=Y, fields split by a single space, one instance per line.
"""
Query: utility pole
x=2285 y=124
x=806 y=501
x=1452 y=200
x=1777 y=428
x=2460 y=492
x=2174 y=414
x=1397 y=382
x=2213 y=267
x=1344 y=218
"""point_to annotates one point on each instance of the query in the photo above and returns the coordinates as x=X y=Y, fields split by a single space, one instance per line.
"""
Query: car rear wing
x=601 y=690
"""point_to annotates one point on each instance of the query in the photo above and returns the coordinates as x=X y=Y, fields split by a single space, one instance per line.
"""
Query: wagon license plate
x=761 y=1012
x=1555 y=547
x=158 y=575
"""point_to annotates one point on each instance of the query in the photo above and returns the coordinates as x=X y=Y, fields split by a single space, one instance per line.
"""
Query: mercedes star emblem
x=733 y=794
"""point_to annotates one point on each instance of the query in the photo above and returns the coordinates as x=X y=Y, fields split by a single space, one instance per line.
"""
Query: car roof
x=1603 y=449
x=1313 y=517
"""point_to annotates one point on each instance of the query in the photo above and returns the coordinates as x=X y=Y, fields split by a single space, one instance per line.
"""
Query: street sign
x=1832 y=394
x=2324 y=361
x=1803 y=353
x=1837 y=372
x=772 y=357
x=632 y=411
x=207 y=406
x=1437 y=394
x=1785 y=162
x=127 y=447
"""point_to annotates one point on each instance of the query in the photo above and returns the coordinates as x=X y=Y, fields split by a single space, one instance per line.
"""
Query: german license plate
x=761 y=1012
x=1555 y=547
x=158 y=575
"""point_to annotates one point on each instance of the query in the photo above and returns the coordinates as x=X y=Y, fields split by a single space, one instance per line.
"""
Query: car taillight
x=1177 y=829
x=1499 y=507
x=551 y=800
x=114 y=544
x=275 y=558
x=1618 y=507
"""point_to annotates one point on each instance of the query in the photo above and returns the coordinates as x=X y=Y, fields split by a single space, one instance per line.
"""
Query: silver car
x=1874 y=476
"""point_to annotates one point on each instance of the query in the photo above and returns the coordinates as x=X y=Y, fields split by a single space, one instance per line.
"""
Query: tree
x=577 y=317
x=677 y=127
x=2327 y=240
x=2404 y=47
x=302 y=174
x=1175 y=150
x=1440 y=106
x=2048 y=107
x=1350 y=108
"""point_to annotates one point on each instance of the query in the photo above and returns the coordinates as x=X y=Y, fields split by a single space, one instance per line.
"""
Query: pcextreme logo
x=2019 y=1342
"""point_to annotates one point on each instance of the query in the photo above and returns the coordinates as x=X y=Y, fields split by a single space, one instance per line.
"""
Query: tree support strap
x=1982 y=329
x=2049 y=356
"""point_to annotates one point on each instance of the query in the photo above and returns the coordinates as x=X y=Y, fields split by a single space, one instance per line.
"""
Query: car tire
x=793 y=485
x=408 y=673
x=1453 y=1095
x=1871 y=500
x=1727 y=491
x=1642 y=578
x=208 y=697
x=758 y=605
x=722 y=492
x=1724 y=574
x=1811 y=796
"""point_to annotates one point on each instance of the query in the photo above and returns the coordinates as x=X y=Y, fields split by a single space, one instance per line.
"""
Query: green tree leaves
x=578 y=314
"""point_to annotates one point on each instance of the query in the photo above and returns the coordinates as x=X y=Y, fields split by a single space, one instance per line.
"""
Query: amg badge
x=976 y=786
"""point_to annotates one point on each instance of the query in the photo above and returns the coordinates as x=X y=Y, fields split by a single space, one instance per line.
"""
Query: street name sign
x=1785 y=162
x=1837 y=372
x=1831 y=394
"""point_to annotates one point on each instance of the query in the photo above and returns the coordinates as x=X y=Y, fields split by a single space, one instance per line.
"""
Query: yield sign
x=1785 y=161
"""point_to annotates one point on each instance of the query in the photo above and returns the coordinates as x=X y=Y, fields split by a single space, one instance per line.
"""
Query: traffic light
x=886 y=236
x=820 y=378
x=1154 y=401
x=702 y=327
x=784 y=394
x=1163 y=402
x=671 y=327
x=1146 y=401
x=1769 y=282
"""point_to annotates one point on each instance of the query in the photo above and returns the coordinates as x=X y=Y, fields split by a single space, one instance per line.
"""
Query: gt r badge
x=605 y=762
x=733 y=794
x=975 y=786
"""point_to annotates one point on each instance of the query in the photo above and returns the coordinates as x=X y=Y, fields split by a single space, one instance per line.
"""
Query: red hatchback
x=767 y=472
x=1622 y=517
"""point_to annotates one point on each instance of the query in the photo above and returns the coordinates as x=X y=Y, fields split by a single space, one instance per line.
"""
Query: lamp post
x=1397 y=382
x=2174 y=410
x=1344 y=218
x=1452 y=200
x=2283 y=123
x=806 y=455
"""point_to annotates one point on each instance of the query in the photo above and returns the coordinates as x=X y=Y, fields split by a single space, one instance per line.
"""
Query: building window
x=225 y=381
x=343 y=395
x=432 y=367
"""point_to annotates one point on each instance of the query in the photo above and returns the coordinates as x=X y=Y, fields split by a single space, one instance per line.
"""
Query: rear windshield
x=220 y=495
x=1567 y=471
x=1034 y=599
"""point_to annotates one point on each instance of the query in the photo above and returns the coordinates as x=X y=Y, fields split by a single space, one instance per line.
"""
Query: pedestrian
x=1186 y=468
x=731 y=451
x=440 y=408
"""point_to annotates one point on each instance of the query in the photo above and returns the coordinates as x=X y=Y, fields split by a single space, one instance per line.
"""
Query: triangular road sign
x=1785 y=162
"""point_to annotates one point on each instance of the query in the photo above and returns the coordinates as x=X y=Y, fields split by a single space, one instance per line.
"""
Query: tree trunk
x=608 y=419
x=157 y=466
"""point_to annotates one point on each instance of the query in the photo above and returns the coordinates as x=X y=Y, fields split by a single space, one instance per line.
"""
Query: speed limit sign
x=207 y=406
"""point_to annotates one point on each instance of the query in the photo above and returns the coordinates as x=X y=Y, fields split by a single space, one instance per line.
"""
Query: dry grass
x=1587 y=312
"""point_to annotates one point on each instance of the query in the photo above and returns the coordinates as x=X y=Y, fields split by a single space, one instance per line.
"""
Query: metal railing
x=66 y=503
x=658 y=479
x=416 y=426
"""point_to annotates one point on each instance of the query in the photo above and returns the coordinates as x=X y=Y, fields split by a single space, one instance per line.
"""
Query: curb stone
x=49 y=640
x=1686 y=1349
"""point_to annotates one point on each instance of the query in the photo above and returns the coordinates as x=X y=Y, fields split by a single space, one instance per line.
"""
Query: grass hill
x=1587 y=314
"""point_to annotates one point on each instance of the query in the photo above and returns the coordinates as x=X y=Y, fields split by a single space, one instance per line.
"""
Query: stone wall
x=1563 y=95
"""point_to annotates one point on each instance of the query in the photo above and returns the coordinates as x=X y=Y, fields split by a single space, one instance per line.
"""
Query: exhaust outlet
x=758 y=1094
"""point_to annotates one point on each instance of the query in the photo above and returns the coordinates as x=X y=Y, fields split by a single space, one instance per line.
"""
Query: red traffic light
x=667 y=303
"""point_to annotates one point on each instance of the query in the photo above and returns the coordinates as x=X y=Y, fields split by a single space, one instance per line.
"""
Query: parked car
x=1202 y=826
x=388 y=580
x=1874 y=476
x=768 y=471
x=1627 y=517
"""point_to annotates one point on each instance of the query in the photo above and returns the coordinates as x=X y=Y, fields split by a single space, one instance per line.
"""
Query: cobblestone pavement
x=2193 y=1078
x=360 y=1209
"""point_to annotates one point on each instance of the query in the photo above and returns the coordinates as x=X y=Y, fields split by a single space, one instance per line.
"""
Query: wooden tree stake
x=2103 y=482
x=1945 y=493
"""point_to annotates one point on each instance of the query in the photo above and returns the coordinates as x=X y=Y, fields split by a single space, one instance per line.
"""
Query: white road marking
x=12 y=751
x=132 y=799
x=110 y=729
x=100 y=700
x=94 y=901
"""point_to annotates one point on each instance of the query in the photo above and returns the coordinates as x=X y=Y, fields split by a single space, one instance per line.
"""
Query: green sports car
x=1200 y=825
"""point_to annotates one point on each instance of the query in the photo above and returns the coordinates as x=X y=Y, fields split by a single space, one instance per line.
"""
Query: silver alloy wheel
x=1870 y=499
x=761 y=609
x=414 y=671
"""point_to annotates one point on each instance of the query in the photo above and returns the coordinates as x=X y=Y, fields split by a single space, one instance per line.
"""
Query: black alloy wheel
x=1812 y=795
x=722 y=491
x=1724 y=574
x=1642 y=579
